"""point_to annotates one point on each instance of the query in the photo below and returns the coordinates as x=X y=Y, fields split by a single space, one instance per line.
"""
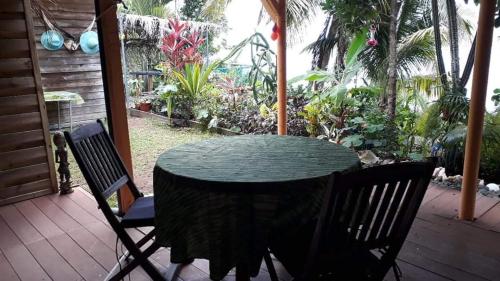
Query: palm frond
x=299 y=14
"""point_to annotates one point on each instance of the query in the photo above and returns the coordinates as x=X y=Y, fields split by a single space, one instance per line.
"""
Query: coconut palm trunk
x=393 y=60
x=468 y=65
x=438 y=44
x=451 y=9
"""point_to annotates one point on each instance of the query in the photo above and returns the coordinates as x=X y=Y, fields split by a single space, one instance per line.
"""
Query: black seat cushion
x=141 y=213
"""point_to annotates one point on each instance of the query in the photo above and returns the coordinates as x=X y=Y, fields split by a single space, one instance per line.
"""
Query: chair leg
x=146 y=238
x=142 y=260
x=270 y=266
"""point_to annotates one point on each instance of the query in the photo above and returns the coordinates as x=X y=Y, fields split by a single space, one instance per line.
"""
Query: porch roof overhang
x=117 y=111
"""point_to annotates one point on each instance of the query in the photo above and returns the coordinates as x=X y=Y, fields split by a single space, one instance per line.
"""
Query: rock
x=493 y=187
x=441 y=176
x=481 y=183
x=455 y=179
x=388 y=161
x=368 y=157
x=436 y=171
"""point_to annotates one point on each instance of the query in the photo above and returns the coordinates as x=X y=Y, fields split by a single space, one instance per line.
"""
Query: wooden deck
x=66 y=238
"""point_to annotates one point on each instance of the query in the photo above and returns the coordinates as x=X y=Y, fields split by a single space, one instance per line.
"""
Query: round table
x=221 y=199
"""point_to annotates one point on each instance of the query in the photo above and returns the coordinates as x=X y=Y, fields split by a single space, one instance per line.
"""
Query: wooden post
x=114 y=89
x=477 y=108
x=281 y=68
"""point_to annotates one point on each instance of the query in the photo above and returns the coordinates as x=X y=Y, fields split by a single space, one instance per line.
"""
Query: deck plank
x=67 y=238
x=38 y=219
x=484 y=204
x=50 y=260
x=56 y=214
x=414 y=273
x=73 y=210
x=18 y=223
x=452 y=251
x=491 y=219
x=103 y=254
x=432 y=192
x=444 y=205
x=87 y=203
x=83 y=263
x=24 y=264
x=8 y=273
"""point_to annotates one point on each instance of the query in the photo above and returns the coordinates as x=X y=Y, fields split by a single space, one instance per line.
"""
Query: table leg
x=70 y=118
x=58 y=116
x=242 y=273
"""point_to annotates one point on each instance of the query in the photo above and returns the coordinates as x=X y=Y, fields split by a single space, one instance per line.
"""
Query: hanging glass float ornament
x=372 y=41
x=276 y=32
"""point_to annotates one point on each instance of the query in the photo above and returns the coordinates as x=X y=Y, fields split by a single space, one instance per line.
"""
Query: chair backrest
x=99 y=162
x=370 y=209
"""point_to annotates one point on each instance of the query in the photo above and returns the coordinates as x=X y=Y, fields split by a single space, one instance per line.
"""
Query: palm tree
x=413 y=50
x=299 y=13
x=454 y=26
x=344 y=20
x=451 y=9
x=333 y=35
x=393 y=59
x=438 y=43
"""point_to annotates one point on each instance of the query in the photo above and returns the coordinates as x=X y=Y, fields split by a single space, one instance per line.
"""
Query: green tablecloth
x=222 y=198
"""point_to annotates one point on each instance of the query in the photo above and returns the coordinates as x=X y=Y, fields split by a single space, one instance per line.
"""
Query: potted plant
x=143 y=103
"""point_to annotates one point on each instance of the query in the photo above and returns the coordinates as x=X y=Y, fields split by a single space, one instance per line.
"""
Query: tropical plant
x=262 y=73
x=135 y=86
x=330 y=108
x=208 y=106
x=167 y=93
x=192 y=9
x=157 y=8
x=194 y=78
x=403 y=40
x=496 y=97
x=490 y=148
x=181 y=46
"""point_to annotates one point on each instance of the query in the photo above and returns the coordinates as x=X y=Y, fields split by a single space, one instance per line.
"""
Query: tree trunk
x=341 y=49
x=468 y=65
x=451 y=8
x=437 y=43
x=393 y=60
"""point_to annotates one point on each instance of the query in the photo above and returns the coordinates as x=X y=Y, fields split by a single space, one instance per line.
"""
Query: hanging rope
x=115 y=3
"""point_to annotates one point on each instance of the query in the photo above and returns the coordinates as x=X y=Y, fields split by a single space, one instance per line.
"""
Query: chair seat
x=141 y=213
x=347 y=264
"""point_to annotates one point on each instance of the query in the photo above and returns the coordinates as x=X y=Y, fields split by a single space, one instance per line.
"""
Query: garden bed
x=175 y=122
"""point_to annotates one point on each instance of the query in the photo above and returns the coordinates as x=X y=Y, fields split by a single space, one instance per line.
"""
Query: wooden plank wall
x=74 y=72
x=26 y=165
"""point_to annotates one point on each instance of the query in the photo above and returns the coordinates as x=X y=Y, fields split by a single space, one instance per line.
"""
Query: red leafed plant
x=181 y=45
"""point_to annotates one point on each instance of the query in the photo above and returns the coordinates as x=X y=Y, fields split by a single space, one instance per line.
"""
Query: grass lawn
x=148 y=139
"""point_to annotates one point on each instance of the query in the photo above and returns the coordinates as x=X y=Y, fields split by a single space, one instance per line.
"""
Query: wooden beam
x=114 y=90
x=271 y=7
x=282 y=116
x=39 y=92
x=477 y=108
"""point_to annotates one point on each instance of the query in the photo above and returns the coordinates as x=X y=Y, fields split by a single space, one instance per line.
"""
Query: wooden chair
x=363 y=223
x=105 y=173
